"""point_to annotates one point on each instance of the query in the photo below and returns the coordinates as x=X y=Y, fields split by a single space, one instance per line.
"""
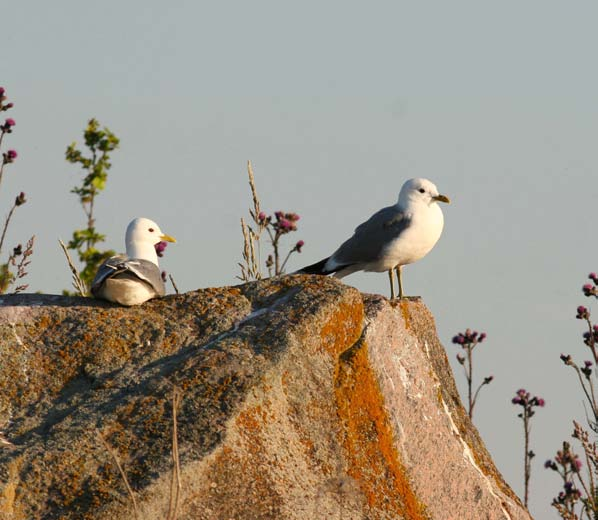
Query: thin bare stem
x=111 y=451
x=527 y=464
x=592 y=342
x=286 y=260
x=470 y=379
x=78 y=284
x=475 y=398
x=176 y=289
x=2 y=170
x=585 y=390
x=6 y=222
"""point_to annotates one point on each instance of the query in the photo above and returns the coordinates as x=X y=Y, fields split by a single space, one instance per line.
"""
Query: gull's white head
x=420 y=191
x=141 y=237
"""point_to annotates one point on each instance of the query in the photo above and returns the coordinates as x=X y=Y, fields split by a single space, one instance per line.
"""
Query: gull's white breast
x=126 y=291
x=417 y=240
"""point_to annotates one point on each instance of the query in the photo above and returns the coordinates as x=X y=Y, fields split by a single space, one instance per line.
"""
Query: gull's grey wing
x=371 y=238
x=121 y=266
x=108 y=268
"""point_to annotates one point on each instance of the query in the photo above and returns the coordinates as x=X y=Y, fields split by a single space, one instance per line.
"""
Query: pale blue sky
x=337 y=104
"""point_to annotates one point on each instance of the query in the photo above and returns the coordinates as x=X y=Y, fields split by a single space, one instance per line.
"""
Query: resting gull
x=392 y=237
x=133 y=278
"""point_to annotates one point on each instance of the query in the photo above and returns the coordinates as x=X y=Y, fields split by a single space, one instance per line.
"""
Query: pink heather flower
x=541 y=401
x=262 y=216
x=2 y=91
x=285 y=224
x=593 y=276
x=482 y=337
x=299 y=245
x=9 y=156
x=163 y=276
x=459 y=339
x=9 y=122
x=8 y=105
x=20 y=200
x=582 y=312
x=160 y=247
x=279 y=214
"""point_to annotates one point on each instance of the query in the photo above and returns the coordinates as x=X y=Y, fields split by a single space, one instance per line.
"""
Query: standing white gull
x=392 y=237
x=133 y=278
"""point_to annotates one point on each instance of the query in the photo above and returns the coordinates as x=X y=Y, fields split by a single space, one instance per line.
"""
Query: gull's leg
x=399 y=277
x=392 y=285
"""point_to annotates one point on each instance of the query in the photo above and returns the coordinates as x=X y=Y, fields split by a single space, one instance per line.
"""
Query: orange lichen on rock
x=369 y=441
x=343 y=328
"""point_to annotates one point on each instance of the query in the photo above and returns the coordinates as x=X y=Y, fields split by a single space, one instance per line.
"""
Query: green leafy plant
x=100 y=142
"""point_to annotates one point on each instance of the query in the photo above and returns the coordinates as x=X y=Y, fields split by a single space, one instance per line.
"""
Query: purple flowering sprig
x=591 y=289
x=468 y=341
x=277 y=225
x=281 y=223
x=569 y=467
x=9 y=156
x=567 y=464
x=19 y=258
x=160 y=248
x=524 y=399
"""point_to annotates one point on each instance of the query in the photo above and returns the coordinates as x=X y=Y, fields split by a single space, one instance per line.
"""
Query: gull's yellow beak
x=167 y=238
x=442 y=198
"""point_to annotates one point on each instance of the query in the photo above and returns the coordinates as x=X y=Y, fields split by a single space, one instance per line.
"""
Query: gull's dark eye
x=151 y=230
x=421 y=190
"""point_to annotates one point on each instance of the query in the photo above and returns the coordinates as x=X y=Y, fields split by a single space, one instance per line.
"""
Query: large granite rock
x=302 y=399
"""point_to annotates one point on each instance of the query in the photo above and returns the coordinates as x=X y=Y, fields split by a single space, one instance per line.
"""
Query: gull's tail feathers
x=317 y=268
x=321 y=269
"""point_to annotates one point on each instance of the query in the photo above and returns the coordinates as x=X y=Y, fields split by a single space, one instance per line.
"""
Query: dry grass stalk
x=251 y=238
x=256 y=200
x=111 y=451
x=250 y=270
x=175 y=483
x=78 y=284
x=22 y=265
